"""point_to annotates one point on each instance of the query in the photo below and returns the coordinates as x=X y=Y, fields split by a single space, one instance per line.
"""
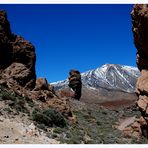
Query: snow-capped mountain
x=109 y=76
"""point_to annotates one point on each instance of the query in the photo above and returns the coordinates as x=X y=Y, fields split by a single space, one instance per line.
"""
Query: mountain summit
x=108 y=76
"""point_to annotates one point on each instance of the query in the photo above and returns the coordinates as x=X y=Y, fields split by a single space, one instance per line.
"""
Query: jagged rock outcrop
x=17 y=56
x=41 y=91
x=17 y=70
x=17 y=74
x=45 y=93
x=140 y=32
x=5 y=46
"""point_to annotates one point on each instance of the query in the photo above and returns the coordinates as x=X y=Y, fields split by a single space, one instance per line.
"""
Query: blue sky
x=80 y=36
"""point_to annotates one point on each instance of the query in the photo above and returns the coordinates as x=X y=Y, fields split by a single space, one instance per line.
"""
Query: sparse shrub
x=17 y=102
x=49 y=117
x=1 y=97
x=8 y=110
x=1 y=27
x=6 y=96
x=143 y=140
x=58 y=130
x=54 y=136
x=29 y=101
x=41 y=126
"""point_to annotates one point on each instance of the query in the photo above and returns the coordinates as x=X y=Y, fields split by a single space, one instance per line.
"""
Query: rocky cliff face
x=17 y=57
x=17 y=70
x=140 y=32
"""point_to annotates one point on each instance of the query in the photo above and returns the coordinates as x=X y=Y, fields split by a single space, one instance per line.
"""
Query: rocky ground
x=93 y=124
x=99 y=125
x=14 y=131
x=17 y=125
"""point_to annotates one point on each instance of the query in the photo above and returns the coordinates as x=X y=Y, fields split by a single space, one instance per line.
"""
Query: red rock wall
x=140 y=31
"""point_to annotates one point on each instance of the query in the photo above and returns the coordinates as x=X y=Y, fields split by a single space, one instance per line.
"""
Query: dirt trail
x=14 y=132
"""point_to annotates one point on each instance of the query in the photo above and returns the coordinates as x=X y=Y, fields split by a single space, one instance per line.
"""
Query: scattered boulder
x=140 y=32
x=130 y=126
x=41 y=83
x=126 y=122
x=42 y=91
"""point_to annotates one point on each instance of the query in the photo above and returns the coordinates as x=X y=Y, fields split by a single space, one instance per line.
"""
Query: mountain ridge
x=108 y=76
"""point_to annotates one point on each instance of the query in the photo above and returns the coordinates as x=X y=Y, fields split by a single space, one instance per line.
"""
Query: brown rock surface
x=17 y=69
x=41 y=83
x=130 y=126
x=16 y=74
x=42 y=91
x=140 y=32
x=5 y=46
x=24 y=52
x=61 y=105
x=14 y=49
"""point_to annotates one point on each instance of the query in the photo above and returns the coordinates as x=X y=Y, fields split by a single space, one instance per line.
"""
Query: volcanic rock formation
x=17 y=70
x=140 y=32
x=17 y=57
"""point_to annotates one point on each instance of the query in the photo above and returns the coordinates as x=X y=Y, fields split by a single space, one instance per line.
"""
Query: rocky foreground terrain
x=23 y=121
x=31 y=111
x=107 y=123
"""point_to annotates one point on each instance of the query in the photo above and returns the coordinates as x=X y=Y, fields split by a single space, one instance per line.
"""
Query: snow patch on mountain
x=109 y=76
